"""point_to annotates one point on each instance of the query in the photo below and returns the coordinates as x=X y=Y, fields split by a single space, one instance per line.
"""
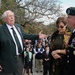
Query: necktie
x=46 y=53
x=17 y=41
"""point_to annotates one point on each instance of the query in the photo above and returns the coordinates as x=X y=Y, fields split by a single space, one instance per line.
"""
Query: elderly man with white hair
x=11 y=45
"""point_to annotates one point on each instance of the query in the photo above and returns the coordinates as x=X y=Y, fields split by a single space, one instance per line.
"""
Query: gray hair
x=5 y=14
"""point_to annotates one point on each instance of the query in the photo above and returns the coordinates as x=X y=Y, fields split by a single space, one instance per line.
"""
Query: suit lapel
x=19 y=30
x=7 y=32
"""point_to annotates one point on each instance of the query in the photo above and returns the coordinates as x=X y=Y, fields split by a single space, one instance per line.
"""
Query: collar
x=10 y=26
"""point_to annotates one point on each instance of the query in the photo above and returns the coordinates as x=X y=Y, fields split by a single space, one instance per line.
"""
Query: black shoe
x=37 y=71
x=40 y=71
x=31 y=71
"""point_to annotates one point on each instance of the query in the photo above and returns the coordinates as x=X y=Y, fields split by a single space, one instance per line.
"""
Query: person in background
x=59 y=42
x=11 y=45
x=47 y=62
x=27 y=57
x=38 y=50
x=29 y=45
x=71 y=45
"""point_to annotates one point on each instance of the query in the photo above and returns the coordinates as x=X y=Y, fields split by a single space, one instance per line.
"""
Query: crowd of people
x=54 y=55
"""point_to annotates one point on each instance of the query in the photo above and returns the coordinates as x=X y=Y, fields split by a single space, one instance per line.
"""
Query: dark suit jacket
x=8 y=49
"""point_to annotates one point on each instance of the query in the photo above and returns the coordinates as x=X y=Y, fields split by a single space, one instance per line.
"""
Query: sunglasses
x=60 y=27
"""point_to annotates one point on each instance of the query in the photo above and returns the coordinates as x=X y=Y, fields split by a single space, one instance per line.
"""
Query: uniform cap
x=71 y=11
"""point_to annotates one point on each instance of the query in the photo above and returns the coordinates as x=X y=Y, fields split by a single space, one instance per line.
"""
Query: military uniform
x=71 y=47
x=71 y=56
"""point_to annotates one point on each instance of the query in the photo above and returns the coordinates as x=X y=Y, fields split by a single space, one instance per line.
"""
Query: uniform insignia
x=73 y=40
x=73 y=43
x=74 y=52
x=19 y=29
x=68 y=11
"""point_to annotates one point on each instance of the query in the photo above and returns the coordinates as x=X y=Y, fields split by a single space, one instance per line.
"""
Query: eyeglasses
x=60 y=27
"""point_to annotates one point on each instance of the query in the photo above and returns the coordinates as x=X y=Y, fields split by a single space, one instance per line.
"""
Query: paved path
x=34 y=69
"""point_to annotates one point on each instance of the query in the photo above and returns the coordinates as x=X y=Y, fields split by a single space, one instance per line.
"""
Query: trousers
x=19 y=68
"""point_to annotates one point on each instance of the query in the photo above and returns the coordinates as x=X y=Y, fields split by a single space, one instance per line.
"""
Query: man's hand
x=1 y=68
x=42 y=36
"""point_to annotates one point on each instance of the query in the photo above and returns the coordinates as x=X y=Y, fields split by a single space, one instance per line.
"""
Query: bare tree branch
x=35 y=9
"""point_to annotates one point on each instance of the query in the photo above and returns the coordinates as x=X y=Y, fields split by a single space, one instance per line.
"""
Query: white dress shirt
x=18 y=35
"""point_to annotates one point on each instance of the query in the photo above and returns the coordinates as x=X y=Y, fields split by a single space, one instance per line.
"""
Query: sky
x=67 y=3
